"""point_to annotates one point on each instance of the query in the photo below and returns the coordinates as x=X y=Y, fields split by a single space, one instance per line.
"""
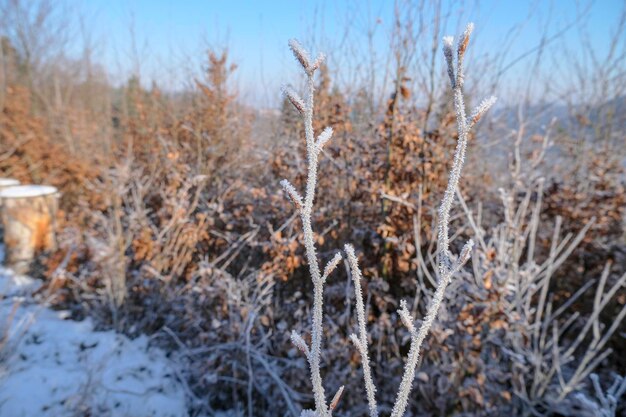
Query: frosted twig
x=481 y=109
x=300 y=53
x=360 y=342
x=305 y=208
x=292 y=193
x=460 y=54
x=299 y=342
x=294 y=99
x=405 y=316
x=324 y=137
x=331 y=265
x=447 y=52
x=303 y=57
x=335 y=400
x=446 y=267
x=417 y=337
x=318 y=62
x=443 y=241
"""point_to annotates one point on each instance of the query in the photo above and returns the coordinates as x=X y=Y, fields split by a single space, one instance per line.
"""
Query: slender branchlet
x=299 y=342
x=443 y=241
x=295 y=197
x=300 y=53
x=294 y=99
x=417 y=337
x=360 y=341
x=305 y=208
x=335 y=400
x=318 y=62
x=447 y=267
x=460 y=53
x=324 y=137
x=303 y=57
x=405 y=316
x=447 y=52
x=331 y=265
x=481 y=109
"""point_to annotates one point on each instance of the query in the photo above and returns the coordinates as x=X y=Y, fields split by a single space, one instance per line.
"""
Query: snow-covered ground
x=55 y=367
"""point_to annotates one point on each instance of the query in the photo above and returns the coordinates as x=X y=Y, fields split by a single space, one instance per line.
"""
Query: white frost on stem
x=299 y=342
x=295 y=197
x=405 y=316
x=446 y=268
x=300 y=53
x=294 y=99
x=447 y=52
x=331 y=265
x=305 y=208
x=460 y=53
x=443 y=240
x=318 y=62
x=324 y=137
x=481 y=109
x=360 y=341
x=336 y=398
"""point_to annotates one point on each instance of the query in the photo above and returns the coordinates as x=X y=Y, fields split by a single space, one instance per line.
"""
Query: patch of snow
x=55 y=367
x=14 y=285
x=21 y=191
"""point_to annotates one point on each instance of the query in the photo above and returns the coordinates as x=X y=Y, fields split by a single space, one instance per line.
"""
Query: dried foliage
x=29 y=155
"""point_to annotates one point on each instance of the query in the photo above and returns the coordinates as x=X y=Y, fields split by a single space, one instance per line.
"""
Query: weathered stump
x=4 y=183
x=29 y=218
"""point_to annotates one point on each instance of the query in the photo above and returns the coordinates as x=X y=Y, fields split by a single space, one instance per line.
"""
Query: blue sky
x=170 y=36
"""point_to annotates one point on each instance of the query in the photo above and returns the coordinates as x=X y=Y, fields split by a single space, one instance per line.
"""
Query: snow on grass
x=55 y=367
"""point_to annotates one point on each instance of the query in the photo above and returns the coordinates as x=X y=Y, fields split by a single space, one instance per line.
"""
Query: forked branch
x=305 y=208
x=447 y=266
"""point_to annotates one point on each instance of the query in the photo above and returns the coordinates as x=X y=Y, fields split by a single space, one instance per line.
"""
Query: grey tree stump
x=28 y=215
x=6 y=182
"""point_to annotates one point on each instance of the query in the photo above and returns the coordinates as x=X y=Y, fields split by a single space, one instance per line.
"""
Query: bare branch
x=294 y=99
x=295 y=197
x=324 y=137
x=331 y=265
x=299 y=342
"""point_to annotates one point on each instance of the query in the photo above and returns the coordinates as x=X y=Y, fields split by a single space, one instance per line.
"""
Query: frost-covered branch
x=305 y=208
x=463 y=126
x=447 y=267
x=360 y=341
